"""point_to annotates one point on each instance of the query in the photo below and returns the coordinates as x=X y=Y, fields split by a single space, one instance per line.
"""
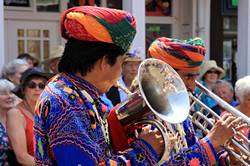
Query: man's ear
x=103 y=63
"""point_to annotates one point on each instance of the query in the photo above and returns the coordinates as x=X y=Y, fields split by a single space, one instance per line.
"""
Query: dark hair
x=27 y=56
x=81 y=56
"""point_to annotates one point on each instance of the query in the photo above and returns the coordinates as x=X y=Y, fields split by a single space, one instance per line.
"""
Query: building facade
x=33 y=26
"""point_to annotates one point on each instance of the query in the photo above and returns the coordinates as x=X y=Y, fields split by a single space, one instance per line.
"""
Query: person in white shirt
x=129 y=71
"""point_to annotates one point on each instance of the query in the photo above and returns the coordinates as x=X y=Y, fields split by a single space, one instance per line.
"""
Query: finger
x=241 y=126
x=235 y=121
x=225 y=116
x=146 y=128
x=228 y=120
x=212 y=120
x=158 y=136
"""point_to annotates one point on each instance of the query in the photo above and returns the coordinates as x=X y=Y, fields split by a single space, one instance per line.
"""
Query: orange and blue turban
x=180 y=54
x=90 y=23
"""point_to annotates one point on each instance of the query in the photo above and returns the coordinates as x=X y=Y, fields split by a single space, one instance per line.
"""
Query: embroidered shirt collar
x=83 y=84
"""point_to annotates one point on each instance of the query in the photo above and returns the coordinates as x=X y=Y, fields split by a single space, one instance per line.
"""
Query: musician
x=70 y=124
x=186 y=56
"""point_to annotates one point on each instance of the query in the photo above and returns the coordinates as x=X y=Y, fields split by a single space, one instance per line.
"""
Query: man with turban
x=70 y=117
x=186 y=56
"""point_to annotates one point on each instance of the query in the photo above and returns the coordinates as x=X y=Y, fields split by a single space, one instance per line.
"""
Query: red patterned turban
x=180 y=54
x=89 y=23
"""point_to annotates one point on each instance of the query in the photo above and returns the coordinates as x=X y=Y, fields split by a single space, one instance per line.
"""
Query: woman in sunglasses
x=210 y=73
x=20 y=119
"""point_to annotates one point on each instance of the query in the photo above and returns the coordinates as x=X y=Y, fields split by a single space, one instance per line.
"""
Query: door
x=33 y=37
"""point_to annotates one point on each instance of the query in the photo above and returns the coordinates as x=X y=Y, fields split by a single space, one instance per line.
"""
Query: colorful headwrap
x=90 y=23
x=180 y=54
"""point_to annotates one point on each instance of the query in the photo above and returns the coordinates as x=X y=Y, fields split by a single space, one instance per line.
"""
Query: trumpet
x=161 y=93
x=199 y=118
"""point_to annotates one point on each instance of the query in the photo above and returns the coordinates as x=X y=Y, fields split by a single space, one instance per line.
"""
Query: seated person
x=225 y=91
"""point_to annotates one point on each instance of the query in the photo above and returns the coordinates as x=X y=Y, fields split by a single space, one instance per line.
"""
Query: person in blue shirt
x=209 y=74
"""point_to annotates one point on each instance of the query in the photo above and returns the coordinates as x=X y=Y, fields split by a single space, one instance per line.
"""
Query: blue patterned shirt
x=67 y=132
x=4 y=145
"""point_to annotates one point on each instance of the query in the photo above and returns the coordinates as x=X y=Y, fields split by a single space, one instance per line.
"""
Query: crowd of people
x=59 y=117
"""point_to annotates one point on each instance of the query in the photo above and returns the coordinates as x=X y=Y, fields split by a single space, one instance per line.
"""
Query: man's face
x=129 y=69
x=111 y=74
x=189 y=78
x=224 y=92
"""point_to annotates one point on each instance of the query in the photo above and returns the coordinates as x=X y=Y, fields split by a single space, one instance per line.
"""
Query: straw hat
x=133 y=56
x=208 y=65
x=55 y=53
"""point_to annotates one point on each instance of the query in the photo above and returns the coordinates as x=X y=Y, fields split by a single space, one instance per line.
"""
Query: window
x=48 y=5
x=34 y=41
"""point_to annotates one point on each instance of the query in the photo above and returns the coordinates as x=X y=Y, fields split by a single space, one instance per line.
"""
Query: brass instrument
x=199 y=118
x=161 y=93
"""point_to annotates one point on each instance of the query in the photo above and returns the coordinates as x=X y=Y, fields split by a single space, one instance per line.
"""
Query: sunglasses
x=213 y=71
x=33 y=85
x=190 y=76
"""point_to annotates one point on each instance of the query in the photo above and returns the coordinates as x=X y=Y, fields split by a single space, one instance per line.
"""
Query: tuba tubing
x=224 y=104
x=244 y=145
x=161 y=93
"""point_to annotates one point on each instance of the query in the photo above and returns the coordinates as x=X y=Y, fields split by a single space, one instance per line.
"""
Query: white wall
x=201 y=22
x=2 y=59
x=137 y=8
x=243 y=60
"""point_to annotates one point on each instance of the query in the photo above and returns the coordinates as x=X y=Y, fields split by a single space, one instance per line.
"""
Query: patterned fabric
x=110 y=25
x=180 y=54
x=199 y=152
x=4 y=145
x=68 y=132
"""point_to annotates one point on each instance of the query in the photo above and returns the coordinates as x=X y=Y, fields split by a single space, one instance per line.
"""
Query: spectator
x=129 y=71
x=54 y=59
x=209 y=74
x=31 y=60
x=225 y=91
x=6 y=103
x=20 y=119
x=242 y=92
x=13 y=70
